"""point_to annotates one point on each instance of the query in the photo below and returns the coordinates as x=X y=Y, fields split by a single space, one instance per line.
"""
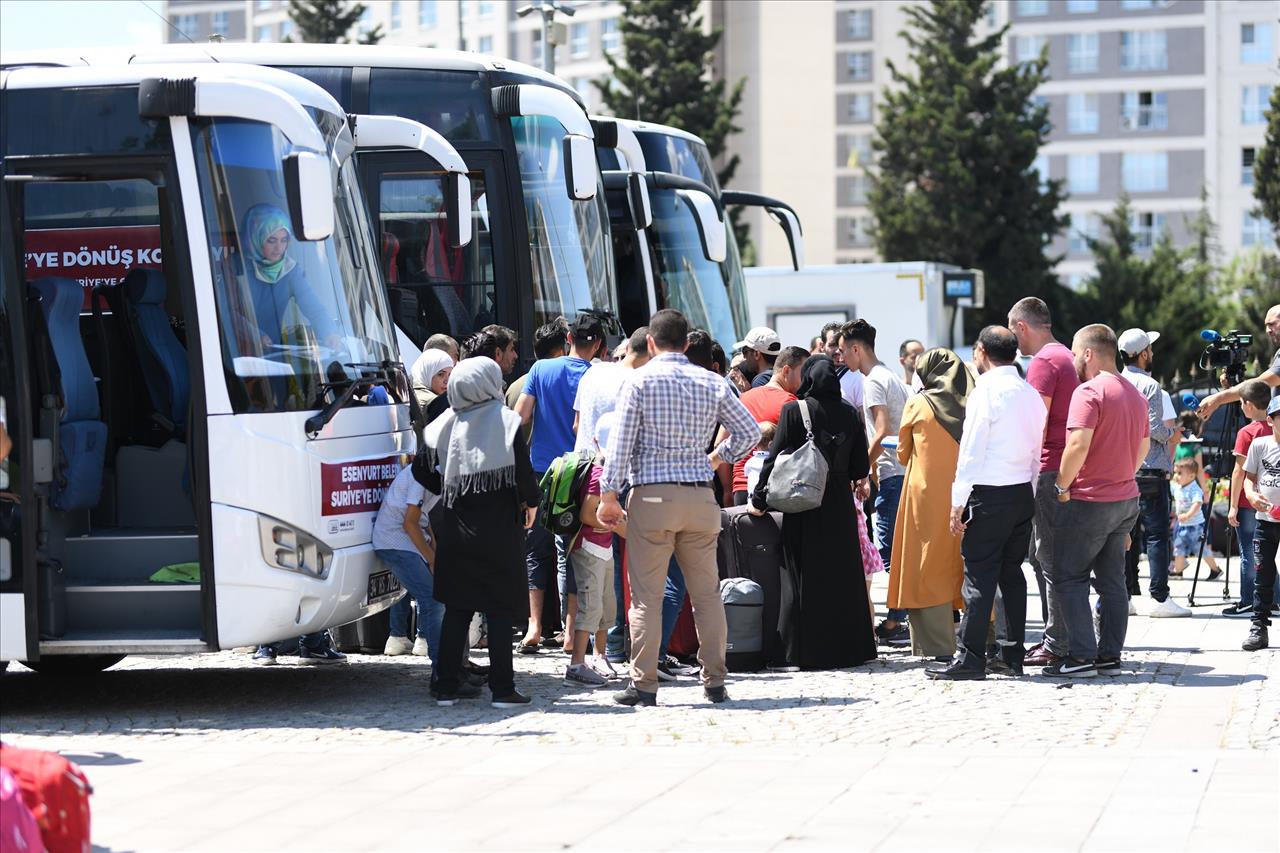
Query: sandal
x=529 y=648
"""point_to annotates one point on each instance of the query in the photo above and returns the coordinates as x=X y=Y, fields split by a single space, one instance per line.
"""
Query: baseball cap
x=761 y=339
x=1134 y=341
x=587 y=327
x=1273 y=407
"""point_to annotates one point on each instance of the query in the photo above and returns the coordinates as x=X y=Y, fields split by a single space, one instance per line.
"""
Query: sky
x=49 y=24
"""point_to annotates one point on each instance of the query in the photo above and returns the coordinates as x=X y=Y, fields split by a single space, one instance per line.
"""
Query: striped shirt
x=665 y=413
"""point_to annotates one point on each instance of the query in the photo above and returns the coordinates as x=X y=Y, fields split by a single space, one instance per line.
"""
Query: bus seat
x=160 y=353
x=82 y=437
x=390 y=256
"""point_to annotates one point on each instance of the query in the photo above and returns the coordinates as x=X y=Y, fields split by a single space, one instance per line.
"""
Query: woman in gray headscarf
x=474 y=457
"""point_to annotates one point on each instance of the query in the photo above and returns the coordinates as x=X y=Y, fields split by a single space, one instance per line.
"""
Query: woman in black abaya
x=824 y=621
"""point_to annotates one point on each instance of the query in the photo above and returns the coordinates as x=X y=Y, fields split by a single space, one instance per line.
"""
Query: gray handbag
x=799 y=479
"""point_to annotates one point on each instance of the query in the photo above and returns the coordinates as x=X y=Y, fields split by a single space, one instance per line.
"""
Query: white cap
x=761 y=339
x=1134 y=341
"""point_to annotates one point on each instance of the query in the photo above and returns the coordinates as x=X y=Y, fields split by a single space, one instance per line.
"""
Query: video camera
x=1225 y=351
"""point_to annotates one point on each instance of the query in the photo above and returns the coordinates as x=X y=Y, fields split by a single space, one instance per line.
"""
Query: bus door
x=18 y=620
x=434 y=287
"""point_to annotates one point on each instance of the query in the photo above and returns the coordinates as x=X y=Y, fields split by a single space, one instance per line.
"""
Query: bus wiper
x=317 y=422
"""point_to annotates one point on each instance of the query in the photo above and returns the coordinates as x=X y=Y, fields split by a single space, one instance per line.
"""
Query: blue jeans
x=1153 y=519
x=888 y=495
x=316 y=642
x=672 y=603
x=1248 y=568
x=615 y=646
x=412 y=572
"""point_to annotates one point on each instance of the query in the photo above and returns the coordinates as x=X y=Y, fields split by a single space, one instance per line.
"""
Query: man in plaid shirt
x=658 y=446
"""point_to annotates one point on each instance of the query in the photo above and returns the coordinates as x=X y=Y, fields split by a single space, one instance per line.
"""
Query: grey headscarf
x=472 y=444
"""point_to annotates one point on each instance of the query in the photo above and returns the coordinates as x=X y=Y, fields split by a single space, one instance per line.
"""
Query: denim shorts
x=1186 y=540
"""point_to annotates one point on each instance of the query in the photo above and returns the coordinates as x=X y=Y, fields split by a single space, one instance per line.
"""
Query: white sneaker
x=1133 y=608
x=582 y=675
x=420 y=647
x=397 y=646
x=1169 y=609
x=602 y=666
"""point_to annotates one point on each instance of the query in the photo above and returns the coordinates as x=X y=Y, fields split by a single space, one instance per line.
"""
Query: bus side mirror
x=638 y=201
x=580 y=169
x=790 y=224
x=457 y=203
x=711 y=228
x=309 y=188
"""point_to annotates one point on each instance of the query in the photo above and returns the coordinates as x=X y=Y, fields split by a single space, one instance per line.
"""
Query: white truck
x=902 y=300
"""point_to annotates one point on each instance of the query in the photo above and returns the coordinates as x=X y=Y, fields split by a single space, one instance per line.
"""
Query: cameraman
x=1271 y=375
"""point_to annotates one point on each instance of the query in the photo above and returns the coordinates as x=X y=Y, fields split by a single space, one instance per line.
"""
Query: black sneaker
x=632 y=697
x=955 y=672
x=999 y=666
x=265 y=656
x=326 y=655
x=514 y=699
x=465 y=690
x=1238 y=609
x=665 y=672
x=898 y=636
x=1257 y=639
x=716 y=695
x=1071 y=668
x=1108 y=666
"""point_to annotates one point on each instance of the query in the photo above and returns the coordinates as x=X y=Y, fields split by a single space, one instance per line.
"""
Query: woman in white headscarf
x=430 y=379
x=474 y=457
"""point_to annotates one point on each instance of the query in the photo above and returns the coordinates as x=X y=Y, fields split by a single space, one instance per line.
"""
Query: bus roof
x=20 y=75
x=650 y=127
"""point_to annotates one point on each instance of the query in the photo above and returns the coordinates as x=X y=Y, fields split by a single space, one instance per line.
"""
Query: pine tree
x=955 y=180
x=1266 y=166
x=1168 y=289
x=329 y=21
x=664 y=76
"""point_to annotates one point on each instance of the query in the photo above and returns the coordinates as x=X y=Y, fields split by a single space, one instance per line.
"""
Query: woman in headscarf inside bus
x=275 y=278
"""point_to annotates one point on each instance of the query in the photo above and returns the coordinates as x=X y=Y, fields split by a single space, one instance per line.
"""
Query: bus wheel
x=72 y=665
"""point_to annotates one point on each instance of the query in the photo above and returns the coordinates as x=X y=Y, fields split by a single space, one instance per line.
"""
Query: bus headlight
x=288 y=548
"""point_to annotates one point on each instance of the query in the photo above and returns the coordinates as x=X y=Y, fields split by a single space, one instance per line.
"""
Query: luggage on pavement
x=57 y=793
x=744 y=614
x=18 y=829
x=751 y=547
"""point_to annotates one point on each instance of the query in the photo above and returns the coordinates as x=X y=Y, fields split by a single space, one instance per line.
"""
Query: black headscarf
x=818 y=379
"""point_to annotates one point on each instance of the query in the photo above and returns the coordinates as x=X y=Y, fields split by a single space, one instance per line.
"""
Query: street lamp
x=548 y=8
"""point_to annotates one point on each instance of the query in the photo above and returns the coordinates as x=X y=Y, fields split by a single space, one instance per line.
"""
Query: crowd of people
x=1072 y=457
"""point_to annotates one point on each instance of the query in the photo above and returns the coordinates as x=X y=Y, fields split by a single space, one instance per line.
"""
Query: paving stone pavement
x=212 y=752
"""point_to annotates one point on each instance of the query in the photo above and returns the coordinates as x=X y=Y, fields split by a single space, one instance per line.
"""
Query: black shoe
x=466 y=690
x=1071 y=668
x=1239 y=609
x=1107 y=666
x=1257 y=639
x=514 y=699
x=632 y=697
x=716 y=695
x=326 y=655
x=475 y=669
x=955 y=672
x=1000 y=666
x=898 y=636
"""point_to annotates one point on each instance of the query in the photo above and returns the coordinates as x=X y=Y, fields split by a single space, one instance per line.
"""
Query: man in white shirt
x=993 y=502
x=601 y=385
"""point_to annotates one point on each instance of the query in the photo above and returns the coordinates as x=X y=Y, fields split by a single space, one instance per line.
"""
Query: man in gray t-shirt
x=884 y=396
x=1262 y=488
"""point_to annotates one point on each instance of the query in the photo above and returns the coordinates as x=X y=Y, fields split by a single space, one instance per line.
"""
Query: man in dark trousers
x=659 y=445
x=993 y=503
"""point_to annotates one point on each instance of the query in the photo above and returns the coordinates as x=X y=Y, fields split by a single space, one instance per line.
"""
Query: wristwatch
x=1059 y=490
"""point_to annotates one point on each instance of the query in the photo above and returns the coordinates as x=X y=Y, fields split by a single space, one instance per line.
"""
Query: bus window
x=454 y=104
x=335 y=81
x=78 y=121
x=434 y=287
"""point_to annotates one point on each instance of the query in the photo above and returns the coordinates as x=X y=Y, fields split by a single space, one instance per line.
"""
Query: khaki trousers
x=662 y=520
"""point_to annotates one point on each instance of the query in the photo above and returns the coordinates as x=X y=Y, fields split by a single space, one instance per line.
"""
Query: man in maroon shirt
x=1108 y=438
x=1052 y=372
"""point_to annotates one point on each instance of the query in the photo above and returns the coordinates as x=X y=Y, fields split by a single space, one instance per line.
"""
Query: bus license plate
x=382 y=585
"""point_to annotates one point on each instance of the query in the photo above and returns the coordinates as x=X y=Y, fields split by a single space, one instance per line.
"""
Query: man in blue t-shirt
x=549 y=392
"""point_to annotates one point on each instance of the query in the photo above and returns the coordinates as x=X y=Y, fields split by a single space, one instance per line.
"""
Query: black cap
x=587 y=327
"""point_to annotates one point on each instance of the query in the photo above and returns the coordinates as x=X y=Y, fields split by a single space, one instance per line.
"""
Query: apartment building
x=1156 y=98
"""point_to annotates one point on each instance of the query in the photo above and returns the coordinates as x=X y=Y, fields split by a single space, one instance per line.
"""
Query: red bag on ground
x=18 y=829
x=684 y=640
x=57 y=793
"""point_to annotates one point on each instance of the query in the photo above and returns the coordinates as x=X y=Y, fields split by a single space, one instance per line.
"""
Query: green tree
x=664 y=75
x=1266 y=166
x=1247 y=287
x=329 y=21
x=955 y=181
x=1168 y=289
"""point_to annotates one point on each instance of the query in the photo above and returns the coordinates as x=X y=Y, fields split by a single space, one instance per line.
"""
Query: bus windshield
x=571 y=255
x=711 y=295
x=293 y=314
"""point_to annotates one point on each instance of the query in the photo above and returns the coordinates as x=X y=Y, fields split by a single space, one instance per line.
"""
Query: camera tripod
x=1223 y=465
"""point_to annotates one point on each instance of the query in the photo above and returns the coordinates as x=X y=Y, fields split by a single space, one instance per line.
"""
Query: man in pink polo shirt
x=1108 y=435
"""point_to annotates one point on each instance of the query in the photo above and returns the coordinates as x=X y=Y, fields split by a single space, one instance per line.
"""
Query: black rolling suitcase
x=751 y=547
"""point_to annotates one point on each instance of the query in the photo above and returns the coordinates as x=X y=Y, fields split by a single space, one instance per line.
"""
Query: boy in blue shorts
x=1189 y=502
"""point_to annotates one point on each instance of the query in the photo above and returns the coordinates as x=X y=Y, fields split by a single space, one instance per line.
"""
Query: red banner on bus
x=91 y=256
x=350 y=487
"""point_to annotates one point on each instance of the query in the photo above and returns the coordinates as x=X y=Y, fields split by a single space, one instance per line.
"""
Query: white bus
x=198 y=367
